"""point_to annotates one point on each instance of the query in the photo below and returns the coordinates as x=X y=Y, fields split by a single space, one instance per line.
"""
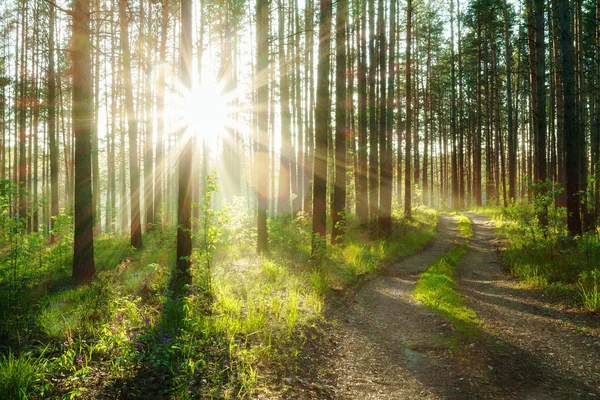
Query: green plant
x=22 y=376
x=436 y=289
x=589 y=289
x=210 y=232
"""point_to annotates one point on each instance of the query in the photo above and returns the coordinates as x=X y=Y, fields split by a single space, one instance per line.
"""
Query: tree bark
x=319 y=227
x=83 y=245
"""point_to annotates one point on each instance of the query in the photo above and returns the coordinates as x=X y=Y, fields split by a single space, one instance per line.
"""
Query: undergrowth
x=130 y=333
x=547 y=257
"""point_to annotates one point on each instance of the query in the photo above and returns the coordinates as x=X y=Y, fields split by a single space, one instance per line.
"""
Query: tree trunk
x=387 y=115
x=284 y=199
x=262 y=98
x=83 y=245
x=319 y=227
x=373 y=137
x=362 y=200
x=52 y=125
x=408 y=132
x=184 y=191
x=572 y=134
x=338 y=212
x=132 y=126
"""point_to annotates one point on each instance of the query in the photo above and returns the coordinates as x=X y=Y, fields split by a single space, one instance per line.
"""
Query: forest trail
x=384 y=344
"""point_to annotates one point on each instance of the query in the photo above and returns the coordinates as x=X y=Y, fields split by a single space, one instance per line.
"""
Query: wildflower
x=118 y=318
x=139 y=346
x=147 y=321
x=65 y=343
x=164 y=340
x=79 y=360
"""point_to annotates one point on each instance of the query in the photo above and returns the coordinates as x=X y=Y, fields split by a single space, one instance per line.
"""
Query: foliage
x=129 y=323
x=22 y=376
x=547 y=257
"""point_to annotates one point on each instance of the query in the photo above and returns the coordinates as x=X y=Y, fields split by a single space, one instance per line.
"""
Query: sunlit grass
x=465 y=226
x=436 y=289
x=219 y=344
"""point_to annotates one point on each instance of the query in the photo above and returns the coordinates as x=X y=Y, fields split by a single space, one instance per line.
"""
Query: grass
x=129 y=329
x=22 y=376
x=436 y=289
x=546 y=257
x=465 y=226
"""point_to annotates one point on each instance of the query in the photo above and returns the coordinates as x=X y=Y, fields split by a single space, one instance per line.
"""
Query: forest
x=304 y=199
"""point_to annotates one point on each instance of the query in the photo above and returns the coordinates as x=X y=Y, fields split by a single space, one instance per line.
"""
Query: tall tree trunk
x=148 y=179
x=572 y=134
x=22 y=163
x=338 y=212
x=160 y=118
x=512 y=147
x=132 y=127
x=362 y=200
x=455 y=197
x=387 y=114
x=408 y=132
x=284 y=199
x=83 y=245
x=540 y=104
x=373 y=142
x=184 y=191
x=477 y=140
x=96 y=126
x=262 y=98
x=319 y=227
x=52 y=124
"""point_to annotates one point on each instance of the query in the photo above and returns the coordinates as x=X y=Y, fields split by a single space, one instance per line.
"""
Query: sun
x=206 y=113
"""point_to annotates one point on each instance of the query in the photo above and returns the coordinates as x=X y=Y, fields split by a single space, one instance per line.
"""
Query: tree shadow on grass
x=181 y=359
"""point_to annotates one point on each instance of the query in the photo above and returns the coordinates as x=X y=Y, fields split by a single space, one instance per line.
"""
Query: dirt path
x=531 y=348
x=383 y=344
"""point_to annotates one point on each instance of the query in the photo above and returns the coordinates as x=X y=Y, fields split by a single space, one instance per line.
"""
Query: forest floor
x=379 y=342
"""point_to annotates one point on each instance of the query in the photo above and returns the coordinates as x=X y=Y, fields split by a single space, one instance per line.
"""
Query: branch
x=53 y=4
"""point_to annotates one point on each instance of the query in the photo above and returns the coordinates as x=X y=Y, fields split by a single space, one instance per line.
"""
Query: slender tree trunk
x=572 y=134
x=262 y=98
x=455 y=197
x=184 y=191
x=512 y=156
x=477 y=141
x=284 y=199
x=52 y=124
x=148 y=154
x=385 y=214
x=408 y=132
x=83 y=245
x=160 y=110
x=132 y=126
x=319 y=227
x=373 y=142
x=540 y=104
x=362 y=200
x=338 y=212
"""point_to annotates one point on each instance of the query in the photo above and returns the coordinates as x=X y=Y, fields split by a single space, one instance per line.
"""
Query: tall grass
x=547 y=257
x=22 y=376
x=220 y=343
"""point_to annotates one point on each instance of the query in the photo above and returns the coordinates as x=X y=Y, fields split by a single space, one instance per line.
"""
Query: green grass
x=436 y=289
x=22 y=376
x=465 y=226
x=129 y=323
x=547 y=258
